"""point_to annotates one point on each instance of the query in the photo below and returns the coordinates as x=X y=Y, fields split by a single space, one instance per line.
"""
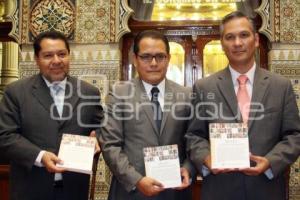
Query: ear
x=134 y=59
x=222 y=44
x=169 y=57
x=36 y=59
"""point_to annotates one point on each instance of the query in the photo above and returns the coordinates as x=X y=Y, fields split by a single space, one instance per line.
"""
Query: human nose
x=238 y=41
x=56 y=59
x=153 y=60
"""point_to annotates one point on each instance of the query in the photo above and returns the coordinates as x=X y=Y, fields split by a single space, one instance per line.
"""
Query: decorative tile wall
x=290 y=21
x=284 y=59
x=94 y=22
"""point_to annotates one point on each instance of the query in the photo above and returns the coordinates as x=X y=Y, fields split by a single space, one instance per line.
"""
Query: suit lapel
x=168 y=104
x=260 y=86
x=142 y=98
x=73 y=88
x=42 y=93
x=225 y=85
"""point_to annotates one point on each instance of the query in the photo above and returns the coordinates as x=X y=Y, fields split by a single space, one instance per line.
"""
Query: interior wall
x=94 y=28
x=284 y=59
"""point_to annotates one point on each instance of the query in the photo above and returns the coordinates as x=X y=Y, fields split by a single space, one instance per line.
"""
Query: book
x=162 y=164
x=229 y=145
x=77 y=153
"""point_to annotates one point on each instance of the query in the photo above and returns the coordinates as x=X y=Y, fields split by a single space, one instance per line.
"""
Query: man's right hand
x=207 y=163
x=49 y=160
x=149 y=186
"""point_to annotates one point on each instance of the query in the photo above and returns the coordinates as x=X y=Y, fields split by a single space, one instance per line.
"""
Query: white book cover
x=162 y=164
x=77 y=153
x=229 y=145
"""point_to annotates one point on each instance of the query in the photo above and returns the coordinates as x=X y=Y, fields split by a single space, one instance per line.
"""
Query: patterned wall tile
x=93 y=21
x=290 y=21
x=285 y=61
x=56 y=15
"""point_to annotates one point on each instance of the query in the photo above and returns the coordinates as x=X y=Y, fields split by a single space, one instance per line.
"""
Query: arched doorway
x=199 y=25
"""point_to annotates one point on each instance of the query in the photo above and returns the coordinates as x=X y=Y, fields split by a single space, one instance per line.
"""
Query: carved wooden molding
x=269 y=12
x=11 y=31
x=124 y=12
x=14 y=18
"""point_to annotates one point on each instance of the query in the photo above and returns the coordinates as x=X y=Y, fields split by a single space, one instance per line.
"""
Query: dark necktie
x=156 y=107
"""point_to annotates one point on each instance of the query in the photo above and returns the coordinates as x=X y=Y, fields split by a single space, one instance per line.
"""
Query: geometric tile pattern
x=93 y=21
x=49 y=15
x=82 y=21
x=290 y=21
x=286 y=61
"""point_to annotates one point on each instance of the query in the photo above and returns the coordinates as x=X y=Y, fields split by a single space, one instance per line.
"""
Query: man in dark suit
x=35 y=112
x=272 y=118
x=133 y=124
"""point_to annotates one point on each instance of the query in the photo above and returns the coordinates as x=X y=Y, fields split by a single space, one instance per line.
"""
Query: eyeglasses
x=147 y=58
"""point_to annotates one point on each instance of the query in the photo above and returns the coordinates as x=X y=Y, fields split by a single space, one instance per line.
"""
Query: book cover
x=229 y=145
x=77 y=153
x=162 y=163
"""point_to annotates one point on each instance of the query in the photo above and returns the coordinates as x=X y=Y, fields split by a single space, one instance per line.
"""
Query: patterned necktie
x=243 y=97
x=156 y=107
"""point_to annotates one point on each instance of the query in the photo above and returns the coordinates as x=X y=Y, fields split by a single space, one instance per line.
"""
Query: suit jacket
x=274 y=132
x=26 y=128
x=131 y=127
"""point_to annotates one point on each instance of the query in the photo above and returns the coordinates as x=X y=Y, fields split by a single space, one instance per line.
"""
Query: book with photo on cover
x=77 y=153
x=162 y=164
x=229 y=145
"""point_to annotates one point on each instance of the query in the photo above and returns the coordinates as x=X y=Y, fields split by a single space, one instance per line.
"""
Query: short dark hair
x=236 y=15
x=55 y=35
x=150 y=34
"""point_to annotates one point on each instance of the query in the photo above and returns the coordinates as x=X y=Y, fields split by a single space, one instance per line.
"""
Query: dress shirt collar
x=62 y=84
x=250 y=74
x=161 y=86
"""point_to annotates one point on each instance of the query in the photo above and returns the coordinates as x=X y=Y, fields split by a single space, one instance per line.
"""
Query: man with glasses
x=148 y=111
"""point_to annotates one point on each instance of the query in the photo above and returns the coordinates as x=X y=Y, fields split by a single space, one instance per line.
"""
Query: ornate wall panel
x=290 y=21
x=269 y=12
x=285 y=60
x=37 y=16
x=280 y=20
x=56 y=15
x=93 y=22
x=83 y=21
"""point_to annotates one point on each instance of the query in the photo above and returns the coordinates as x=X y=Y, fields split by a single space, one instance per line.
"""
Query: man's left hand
x=97 y=147
x=262 y=164
x=185 y=179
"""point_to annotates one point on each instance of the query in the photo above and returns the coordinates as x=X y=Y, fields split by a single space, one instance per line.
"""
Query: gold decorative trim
x=12 y=16
x=266 y=12
x=277 y=20
x=24 y=21
x=124 y=12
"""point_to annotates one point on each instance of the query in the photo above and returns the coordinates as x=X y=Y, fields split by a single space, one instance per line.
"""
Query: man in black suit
x=35 y=112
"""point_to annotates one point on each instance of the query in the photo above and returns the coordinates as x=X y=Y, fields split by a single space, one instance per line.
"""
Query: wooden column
x=4 y=182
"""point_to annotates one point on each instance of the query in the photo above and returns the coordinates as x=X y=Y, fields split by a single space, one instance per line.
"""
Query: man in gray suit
x=35 y=112
x=272 y=118
x=133 y=123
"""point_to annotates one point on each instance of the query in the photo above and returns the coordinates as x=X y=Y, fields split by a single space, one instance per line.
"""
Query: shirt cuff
x=205 y=171
x=269 y=174
x=38 y=160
